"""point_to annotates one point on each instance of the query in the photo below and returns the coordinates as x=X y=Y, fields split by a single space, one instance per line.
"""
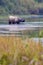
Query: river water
x=16 y=28
x=22 y=26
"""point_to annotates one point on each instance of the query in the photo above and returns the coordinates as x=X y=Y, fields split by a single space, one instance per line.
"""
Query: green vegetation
x=20 y=7
x=5 y=60
x=41 y=33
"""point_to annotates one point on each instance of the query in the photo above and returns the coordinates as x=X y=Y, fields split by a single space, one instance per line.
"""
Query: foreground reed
x=20 y=51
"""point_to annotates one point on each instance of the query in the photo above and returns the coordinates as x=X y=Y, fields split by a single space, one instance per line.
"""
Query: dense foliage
x=21 y=7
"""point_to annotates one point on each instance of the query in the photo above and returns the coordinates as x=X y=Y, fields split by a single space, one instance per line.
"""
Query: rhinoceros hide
x=15 y=19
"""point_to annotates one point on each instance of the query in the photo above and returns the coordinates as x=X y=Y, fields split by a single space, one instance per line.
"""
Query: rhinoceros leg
x=13 y=22
x=9 y=22
x=18 y=22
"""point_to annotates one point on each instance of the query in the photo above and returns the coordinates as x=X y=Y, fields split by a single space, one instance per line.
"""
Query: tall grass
x=20 y=51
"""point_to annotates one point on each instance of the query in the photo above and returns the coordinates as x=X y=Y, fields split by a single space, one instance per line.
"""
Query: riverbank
x=28 y=18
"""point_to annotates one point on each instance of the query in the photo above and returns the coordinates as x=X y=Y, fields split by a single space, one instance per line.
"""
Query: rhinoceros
x=15 y=20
